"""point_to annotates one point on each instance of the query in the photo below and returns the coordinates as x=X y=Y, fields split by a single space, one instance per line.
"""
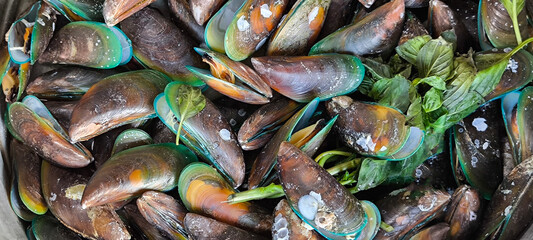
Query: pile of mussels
x=303 y=108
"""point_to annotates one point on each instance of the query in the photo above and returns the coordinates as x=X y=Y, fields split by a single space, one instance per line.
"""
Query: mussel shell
x=416 y=3
x=304 y=78
x=14 y=81
x=16 y=203
x=47 y=227
x=137 y=224
x=45 y=140
x=182 y=16
x=438 y=231
x=412 y=28
x=201 y=227
x=43 y=30
x=409 y=209
x=259 y=128
x=209 y=134
x=367 y=3
x=495 y=23
x=202 y=10
x=133 y=171
x=287 y=225
x=62 y=190
x=509 y=211
x=254 y=91
x=217 y=26
x=87 y=9
x=114 y=101
x=160 y=45
x=523 y=117
x=374 y=130
x=377 y=32
x=65 y=83
x=203 y=190
x=340 y=13
x=444 y=18
x=299 y=30
x=115 y=11
x=28 y=169
x=477 y=145
x=131 y=138
x=517 y=75
x=89 y=44
x=464 y=213
x=301 y=178
x=251 y=25
x=164 y=212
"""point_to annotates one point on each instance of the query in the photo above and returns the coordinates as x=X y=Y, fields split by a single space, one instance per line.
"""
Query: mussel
x=496 y=27
x=202 y=190
x=375 y=130
x=464 y=213
x=114 y=11
x=287 y=225
x=201 y=227
x=47 y=227
x=215 y=29
x=133 y=171
x=516 y=112
x=165 y=212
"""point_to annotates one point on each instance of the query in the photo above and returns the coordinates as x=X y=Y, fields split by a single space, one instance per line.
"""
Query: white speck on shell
x=225 y=134
x=242 y=24
x=479 y=124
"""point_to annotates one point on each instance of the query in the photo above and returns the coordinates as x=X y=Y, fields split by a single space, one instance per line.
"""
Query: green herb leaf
x=433 y=81
x=414 y=113
x=372 y=173
x=392 y=92
x=190 y=102
x=435 y=59
x=410 y=49
x=432 y=100
x=514 y=7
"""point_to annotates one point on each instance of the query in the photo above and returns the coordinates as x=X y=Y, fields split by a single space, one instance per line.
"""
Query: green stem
x=515 y=26
x=354 y=163
x=386 y=227
x=178 y=134
x=270 y=191
x=323 y=157
x=517 y=48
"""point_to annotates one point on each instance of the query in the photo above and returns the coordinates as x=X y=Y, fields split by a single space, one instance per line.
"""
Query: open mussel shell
x=464 y=213
x=516 y=114
x=182 y=16
x=201 y=227
x=518 y=73
x=299 y=29
x=114 y=101
x=308 y=139
x=304 y=78
x=90 y=44
x=438 y=231
x=316 y=197
x=160 y=45
x=259 y=128
x=133 y=171
x=287 y=225
x=131 y=138
x=233 y=79
x=202 y=10
x=218 y=24
x=495 y=24
x=65 y=83
x=476 y=148
x=165 y=212
x=207 y=133
x=251 y=25
x=510 y=210
x=411 y=208
x=28 y=170
x=42 y=133
x=115 y=11
x=375 y=130
x=377 y=32
x=62 y=190
x=47 y=227
x=29 y=36
x=203 y=190
x=14 y=81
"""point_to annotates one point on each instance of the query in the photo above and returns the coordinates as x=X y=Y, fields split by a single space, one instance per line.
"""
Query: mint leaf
x=435 y=59
x=190 y=102
x=432 y=100
x=392 y=92
x=410 y=49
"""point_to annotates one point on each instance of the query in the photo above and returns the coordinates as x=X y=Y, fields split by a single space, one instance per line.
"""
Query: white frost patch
x=53 y=197
x=473 y=216
x=265 y=11
x=312 y=15
x=506 y=191
x=366 y=143
x=383 y=149
x=225 y=134
x=479 y=124
x=512 y=65
x=485 y=145
x=242 y=24
x=507 y=210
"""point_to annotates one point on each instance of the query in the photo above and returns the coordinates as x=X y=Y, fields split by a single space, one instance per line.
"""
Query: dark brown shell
x=201 y=228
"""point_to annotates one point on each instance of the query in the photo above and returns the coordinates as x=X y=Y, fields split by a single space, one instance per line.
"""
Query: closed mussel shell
x=517 y=75
x=129 y=139
x=201 y=227
x=203 y=190
x=464 y=213
x=62 y=190
x=138 y=227
x=115 y=101
x=317 y=197
x=304 y=78
x=165 y=212
x=202 y=10
x=495 y=24
x=115 y=11
x=182 y=16
x=133 y=171
x=444 y=18
x=436 y=232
